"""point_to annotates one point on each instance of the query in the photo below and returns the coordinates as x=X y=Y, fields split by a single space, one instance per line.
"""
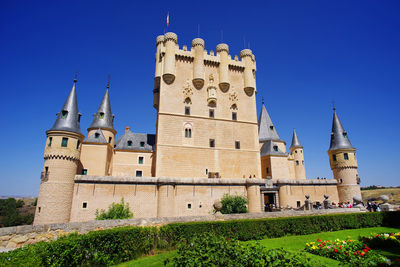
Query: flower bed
x=390 y=240
x=349 y=251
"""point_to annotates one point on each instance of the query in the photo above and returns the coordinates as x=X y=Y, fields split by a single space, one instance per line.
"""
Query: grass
x=392 y=193
x=292 y=243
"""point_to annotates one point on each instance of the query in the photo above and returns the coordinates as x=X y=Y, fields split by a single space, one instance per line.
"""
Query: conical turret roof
x=295 y=140
x=103 y=118
x=266 y=129
x=339 y=137
x=68 y=119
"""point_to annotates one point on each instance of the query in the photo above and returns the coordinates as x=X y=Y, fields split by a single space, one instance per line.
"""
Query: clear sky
x=308 y=54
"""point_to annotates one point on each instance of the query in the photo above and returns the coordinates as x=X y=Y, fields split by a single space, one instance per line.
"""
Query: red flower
x=365 y=250
x=362 y=254
x=354 y=253
x=340 y=247
x=335 y=250
x=319 y=240
x=368 y=248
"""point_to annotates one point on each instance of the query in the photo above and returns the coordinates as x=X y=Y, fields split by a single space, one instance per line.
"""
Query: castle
x=208 y=143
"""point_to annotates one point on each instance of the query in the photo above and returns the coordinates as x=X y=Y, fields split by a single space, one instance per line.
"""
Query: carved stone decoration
x=233 y=97
x=187 y=91
x=211 y=92
x=211 y=79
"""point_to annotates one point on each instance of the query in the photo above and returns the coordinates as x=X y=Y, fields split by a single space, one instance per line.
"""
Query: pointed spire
x=295 y=140
x=339 y=137
x=266 y=129
x=69 y=117
x=104 y=118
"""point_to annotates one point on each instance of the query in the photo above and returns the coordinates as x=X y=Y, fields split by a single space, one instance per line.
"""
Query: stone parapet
x=280 y=182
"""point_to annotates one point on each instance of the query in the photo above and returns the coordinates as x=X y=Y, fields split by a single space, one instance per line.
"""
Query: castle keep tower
x=61 y=164
x=342 y=158
x=206 y=111
x=296 y=150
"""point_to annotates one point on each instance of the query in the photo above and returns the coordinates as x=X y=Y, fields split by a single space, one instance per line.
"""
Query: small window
x=301 y=151
x=211 y=113
x=298 y=204
x=187 y=110
x=346 y=156
x=334 y=157
x=138 y=173
x=39 y=209
x=302 y=162
x=295 y=151
x=96 y=135
x=84 y=171
x=267 y=170
x=206 y=171
x=79 y=117
x=101 y=115
x=212 y=143
x=84 y=205
x=189 y=205
x=78 y=144
x=64 y=142
x=188 y=133
x=340 y=180
x=64 y=114
x=345 y=134
x=46 y=169
x=50 y=141
x=109 y=140
x=141 y=144
x=276 y=148
x=237 y=144
x=234 y=116
x=129 y=143
x=140 y=160
x=271 y=127
x=297 y=162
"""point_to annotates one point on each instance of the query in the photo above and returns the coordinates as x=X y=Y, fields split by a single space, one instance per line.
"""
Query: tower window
x=301 y=151
x=297 y=162
x=84 y=205
x=276 y=148
x=39 y=209
x=340 y=180
x=234 y=116
x=189 y=206
x=109 y=140
x=298 y=204
x=295 y=151
x=64 y=114
x=84 y=171
x=346 y=156
x=345 y=134
x=334 y=157
x=271 y=127
x=211 y=113
x=129 y=143
x=96 y=135
x=187 y=110
x=79 y=117
x=101 y=115
x=140 y=160
x=141 y=144
x=267 y=170
x=50 y=141
x=237 y=144
x=138 y=173
x=64 y=142
x=188 y=133
x=77 y=144
x=302 y=162
x=212 y=143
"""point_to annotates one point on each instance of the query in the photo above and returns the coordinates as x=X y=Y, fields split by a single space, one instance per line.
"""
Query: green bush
x=108 y=247
x=10 y=215
x=233 y=204
x=210 y=250
x=115 y=211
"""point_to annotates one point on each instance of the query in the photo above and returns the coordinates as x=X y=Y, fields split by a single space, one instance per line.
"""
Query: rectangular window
x=84 y=205
x=237 y=144
x=189 y=205
x=187 y=110
x=212 y=143
x=234 y=116
x=267 y=170
x=77 y=144
x=141 y=144
x=50 y=141
x=346 y=156
x=84 y=171
x=211 y=113
x=297 y=162
x=109 y=140
x=140 y=160
x=64 y=142
x=334 y=157
x=138 y=173
x=298 y=204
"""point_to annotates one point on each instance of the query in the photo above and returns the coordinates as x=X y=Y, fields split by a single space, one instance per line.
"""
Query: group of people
x=372 y=206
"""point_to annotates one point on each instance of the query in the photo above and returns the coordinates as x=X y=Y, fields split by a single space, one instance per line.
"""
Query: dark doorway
x=269 y=201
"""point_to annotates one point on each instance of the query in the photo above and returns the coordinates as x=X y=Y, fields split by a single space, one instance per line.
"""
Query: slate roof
x=339 y=137
x=68 y=119
x=100 y=138
x=268 y=149
x=103 y=118
x=266 y=129
x=295 y=140
x=148 y=141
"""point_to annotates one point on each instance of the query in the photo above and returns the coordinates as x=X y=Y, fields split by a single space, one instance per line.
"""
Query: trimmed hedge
x=107 y=247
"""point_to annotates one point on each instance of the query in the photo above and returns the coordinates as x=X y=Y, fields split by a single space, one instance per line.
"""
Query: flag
x=168 y=20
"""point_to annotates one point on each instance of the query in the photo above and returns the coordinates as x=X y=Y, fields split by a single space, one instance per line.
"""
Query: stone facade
x=207 y=144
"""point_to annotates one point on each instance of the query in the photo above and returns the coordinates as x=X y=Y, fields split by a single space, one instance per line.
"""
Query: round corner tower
x=296 y=149
x=343 y=162
x=61 y=164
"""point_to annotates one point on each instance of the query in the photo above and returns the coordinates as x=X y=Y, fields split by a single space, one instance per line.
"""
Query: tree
x=115 y=211
x=233 y=204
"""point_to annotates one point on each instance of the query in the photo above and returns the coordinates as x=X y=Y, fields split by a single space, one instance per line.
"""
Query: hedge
x=107 y=247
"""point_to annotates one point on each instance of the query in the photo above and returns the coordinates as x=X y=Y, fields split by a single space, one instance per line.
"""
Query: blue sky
x=308 y=54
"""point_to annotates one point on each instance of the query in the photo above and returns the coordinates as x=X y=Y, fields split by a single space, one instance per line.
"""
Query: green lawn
x=292 y=243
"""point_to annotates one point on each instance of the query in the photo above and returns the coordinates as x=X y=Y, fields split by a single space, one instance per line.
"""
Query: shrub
x=20 y=203
x=115 y=211
x=233 y=204
x=210 y=250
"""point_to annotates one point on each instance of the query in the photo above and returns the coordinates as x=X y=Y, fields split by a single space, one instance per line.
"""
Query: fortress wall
x=126 y=163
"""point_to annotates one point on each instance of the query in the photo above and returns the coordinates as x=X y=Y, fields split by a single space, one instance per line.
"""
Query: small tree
x=115 y=211
x=233 y=204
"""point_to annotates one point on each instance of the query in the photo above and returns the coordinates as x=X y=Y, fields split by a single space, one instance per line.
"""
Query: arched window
x=187 y=101
x=188 y=130
x=129 y=143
